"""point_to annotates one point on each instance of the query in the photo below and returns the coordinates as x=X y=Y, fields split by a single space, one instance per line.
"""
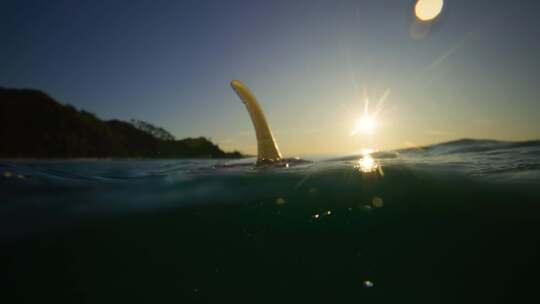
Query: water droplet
x=280 y=201
x=328 y=212
x=316 y=216
x=377 y=202
x=368 y=284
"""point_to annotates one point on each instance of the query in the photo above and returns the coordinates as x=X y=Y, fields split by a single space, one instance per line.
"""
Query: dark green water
x=452 y=224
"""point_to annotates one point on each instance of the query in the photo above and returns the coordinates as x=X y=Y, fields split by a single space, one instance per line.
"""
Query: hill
x=34 y=125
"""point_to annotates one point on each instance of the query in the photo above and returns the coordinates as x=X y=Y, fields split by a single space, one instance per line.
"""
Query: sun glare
x=365 y=124
x=366 y=151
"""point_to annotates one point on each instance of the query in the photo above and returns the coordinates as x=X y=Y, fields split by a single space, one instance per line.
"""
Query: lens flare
x=426 y=10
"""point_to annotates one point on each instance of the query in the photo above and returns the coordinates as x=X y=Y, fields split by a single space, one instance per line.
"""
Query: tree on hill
x=149 y=128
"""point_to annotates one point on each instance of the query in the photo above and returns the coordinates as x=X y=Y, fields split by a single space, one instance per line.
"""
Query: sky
x=472 y=72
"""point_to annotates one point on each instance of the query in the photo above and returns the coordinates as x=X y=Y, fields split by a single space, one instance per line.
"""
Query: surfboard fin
x=267 y=149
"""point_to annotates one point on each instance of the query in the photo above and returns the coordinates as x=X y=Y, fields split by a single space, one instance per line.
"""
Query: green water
x=443 y=228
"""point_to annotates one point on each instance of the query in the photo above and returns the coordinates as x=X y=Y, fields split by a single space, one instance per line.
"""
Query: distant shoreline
x=21 y=159
x=35 y=126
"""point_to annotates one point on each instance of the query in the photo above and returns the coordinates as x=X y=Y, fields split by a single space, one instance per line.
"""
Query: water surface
x=451 y=223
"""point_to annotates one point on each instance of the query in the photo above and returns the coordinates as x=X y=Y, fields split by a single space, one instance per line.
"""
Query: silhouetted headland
x=34 y=125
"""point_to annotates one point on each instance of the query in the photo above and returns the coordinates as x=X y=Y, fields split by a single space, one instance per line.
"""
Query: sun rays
x=368 y=122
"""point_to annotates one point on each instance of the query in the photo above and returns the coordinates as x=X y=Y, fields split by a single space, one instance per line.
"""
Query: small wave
x=472 y=146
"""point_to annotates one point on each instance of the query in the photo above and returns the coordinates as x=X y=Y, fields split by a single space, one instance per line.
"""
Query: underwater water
x=451 y=223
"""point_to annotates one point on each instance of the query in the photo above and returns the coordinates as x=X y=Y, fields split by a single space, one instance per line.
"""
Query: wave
x=471 y=156
x=472 y=145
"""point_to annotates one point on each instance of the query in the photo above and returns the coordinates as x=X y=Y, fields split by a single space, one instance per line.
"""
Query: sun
x=366 y=124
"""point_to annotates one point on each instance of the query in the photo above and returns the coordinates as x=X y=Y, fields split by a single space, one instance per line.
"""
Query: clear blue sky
x=475 y=73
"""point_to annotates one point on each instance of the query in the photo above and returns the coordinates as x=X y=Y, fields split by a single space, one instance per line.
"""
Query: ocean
x=450 y=223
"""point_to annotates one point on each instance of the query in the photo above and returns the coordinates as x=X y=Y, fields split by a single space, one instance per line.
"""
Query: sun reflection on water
x=366 y=164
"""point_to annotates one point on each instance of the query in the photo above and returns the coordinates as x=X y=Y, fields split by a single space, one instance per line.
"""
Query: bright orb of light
x=426 y=10
x=365 y=124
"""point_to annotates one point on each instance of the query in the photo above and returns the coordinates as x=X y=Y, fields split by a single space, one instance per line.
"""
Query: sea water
x=451 y=223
